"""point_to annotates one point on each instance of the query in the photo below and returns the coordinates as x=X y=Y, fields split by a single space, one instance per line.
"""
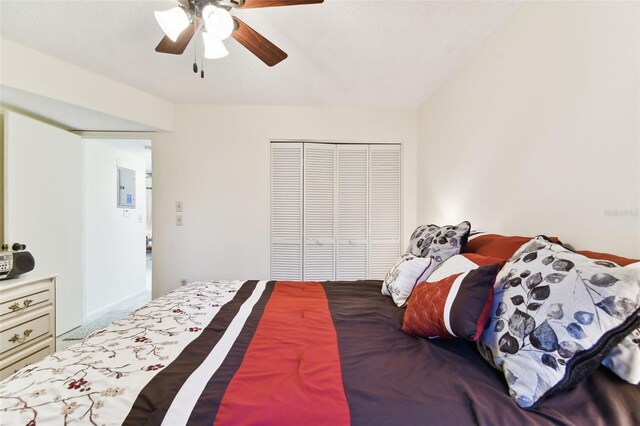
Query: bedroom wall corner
x=217 y=163
x=539 y=131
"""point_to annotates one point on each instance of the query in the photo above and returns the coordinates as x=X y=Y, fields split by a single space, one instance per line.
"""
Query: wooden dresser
x=27 y=321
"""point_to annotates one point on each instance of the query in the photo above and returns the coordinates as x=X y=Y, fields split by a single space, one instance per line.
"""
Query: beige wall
x=539 y=132
x=217 y=163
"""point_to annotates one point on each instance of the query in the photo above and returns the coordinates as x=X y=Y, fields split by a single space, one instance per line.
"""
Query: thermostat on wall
x=126 y=188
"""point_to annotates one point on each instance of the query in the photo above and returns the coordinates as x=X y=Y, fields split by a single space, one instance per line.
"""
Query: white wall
x=37 y=73
x=114 y=245
x=43 y=206
x=539 y=132
x=217 y=163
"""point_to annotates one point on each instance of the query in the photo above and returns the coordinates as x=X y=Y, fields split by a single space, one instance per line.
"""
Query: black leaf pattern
x=508 y=344
x=547 y=260
x=515 y=282
x=617 y=307
x=521 y=324
x=550 y=361
x=554 y=278
x=533 y=306
x=576 y=331
x=501 y=309
x=517 y=300
x=499 y=326
x=541 y=293
x=563 y=265
x=525 y=273
x=603 y=280
x=605 y=263
x=584 y=318
x=568 y=348
x=530 y=257
x=534 y=280
x=544 y=338
x=533 y=246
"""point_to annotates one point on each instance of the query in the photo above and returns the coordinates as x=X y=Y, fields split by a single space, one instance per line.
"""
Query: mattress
x=271 y=353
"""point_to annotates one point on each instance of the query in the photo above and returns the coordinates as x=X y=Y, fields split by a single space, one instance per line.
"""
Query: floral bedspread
x=81 y=384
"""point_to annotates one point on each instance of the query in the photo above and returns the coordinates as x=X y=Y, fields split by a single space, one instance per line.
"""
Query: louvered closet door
x=384 y=209
x=352 y=196
x=286 y=211
x=319 y=211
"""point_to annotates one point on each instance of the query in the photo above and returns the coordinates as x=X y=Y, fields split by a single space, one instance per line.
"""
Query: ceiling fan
x=213 y=19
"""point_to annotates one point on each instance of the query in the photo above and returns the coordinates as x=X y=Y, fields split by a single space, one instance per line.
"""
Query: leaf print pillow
x=439 y=242
x=556 y=315
x=403 y=276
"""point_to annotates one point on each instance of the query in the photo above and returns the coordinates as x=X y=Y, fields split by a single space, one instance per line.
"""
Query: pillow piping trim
x=609 y=339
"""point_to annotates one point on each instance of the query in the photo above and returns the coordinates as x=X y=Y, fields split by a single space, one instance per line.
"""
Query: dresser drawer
x=34 y=354
x=27 y=331
x=22 y=303
x=20 y=298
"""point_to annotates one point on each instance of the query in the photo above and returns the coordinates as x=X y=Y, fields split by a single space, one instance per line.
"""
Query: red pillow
x=500 y=246
x=457 y=306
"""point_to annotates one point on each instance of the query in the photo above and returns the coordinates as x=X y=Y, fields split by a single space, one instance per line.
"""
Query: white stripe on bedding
x=185 y=400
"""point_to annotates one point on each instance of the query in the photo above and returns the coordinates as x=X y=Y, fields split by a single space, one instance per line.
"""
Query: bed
x=279 y=352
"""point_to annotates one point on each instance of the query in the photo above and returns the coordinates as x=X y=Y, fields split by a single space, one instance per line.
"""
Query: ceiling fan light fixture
x=218 y=21
x=173 y=21
x=213 y=47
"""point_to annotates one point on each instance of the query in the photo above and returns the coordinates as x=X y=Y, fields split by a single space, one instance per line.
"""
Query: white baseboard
x=111 y=307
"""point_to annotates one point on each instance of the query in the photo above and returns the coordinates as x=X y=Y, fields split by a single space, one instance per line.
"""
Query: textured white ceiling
x=390 y=53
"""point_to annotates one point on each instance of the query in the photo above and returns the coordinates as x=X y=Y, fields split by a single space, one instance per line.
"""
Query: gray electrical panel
x=126 y=188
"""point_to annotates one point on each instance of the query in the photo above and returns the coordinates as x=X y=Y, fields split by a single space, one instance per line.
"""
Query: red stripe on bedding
x=291 y=371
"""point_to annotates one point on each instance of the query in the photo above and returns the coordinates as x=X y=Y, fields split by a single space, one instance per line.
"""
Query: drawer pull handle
x=16 y=307
x=17 y=339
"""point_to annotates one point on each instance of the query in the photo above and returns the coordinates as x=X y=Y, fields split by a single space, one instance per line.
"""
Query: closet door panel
x=286 y=211
x=352 y=204
x=319 y=211
x=384 y=209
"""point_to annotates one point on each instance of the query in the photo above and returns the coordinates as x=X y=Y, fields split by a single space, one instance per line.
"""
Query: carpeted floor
x=95 y=325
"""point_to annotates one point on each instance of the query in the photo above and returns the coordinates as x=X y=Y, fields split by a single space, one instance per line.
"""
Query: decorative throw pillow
x=462 y=263
x=403 y=276
x=439 y=242
x=555 y=316
x=624 y=359
x=495 y=245
x=456 y=306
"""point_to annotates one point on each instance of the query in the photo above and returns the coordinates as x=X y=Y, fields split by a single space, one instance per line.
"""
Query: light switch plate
x=179 y=220
x=178 y=206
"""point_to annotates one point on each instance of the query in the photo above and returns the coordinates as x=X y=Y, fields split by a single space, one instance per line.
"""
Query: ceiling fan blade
x=268 y=52
x=178 y=46
x=272 y=3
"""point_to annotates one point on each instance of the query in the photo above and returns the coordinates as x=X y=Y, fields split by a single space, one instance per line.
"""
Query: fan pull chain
x=195 y=51
x=202 y=63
